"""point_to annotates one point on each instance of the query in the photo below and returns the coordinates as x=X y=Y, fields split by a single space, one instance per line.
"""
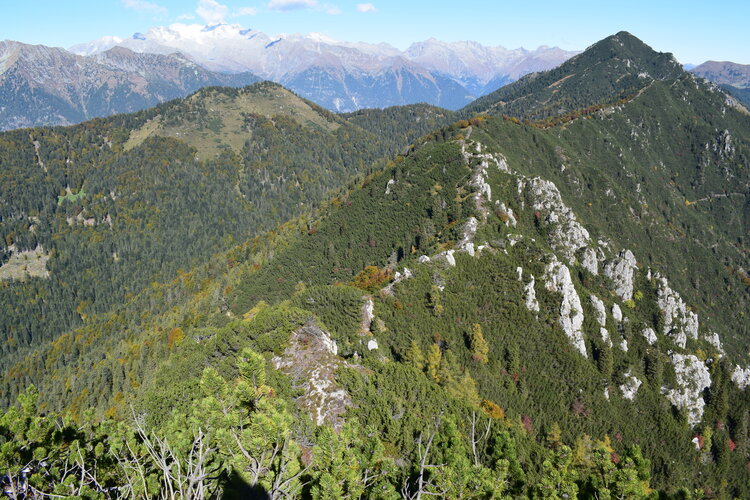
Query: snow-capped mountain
x=345 y=76
x=477 y=67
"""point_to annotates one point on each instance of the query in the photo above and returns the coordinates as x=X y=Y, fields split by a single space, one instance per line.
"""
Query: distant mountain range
x=51 y=86
x=42 y=85
x=725 y=73
x=732 y=77
x=344 y=76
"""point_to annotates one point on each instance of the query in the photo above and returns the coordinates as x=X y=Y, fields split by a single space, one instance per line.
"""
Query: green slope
x=117 y=204
x=422 y=276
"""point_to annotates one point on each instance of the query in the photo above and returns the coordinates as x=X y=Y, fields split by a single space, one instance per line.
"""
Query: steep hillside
x=732 y=77
x=49 y=86
x=92 y=214
x=614 y=68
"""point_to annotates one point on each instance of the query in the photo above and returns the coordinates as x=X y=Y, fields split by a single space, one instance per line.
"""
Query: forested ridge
x=114 y=217
x=505 y=308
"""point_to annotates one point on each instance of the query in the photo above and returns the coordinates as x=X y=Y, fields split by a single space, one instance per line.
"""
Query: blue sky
x=693 y=30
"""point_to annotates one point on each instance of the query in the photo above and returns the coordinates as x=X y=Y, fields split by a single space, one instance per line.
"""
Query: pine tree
x=743 y=433
x=558 y=479
x=605 y=361
x=513 y=356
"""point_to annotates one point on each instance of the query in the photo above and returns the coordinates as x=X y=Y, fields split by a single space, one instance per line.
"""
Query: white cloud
x=245 y=11
x=286 y=5
x=366 y=7
x=185 y=17
x=144 y=6
x=212 y=11
x=332 y=10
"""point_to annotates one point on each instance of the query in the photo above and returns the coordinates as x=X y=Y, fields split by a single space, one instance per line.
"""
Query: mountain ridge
x=607 y=75
x=724 y=73
x=299 y=60
x=49 y=86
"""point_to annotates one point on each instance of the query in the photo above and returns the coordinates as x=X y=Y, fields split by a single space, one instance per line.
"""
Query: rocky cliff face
x=568 y=240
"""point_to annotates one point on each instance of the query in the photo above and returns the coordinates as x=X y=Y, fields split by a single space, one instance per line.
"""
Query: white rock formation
x=532 y=304
x=601 y=312
x=388 y=186
x=714 y=339
x=372 y=345
x=617 y=313
x=479 y=182
x=407 y=274
x=311 y=360
x=513 y=239
x=697 y=442
x=601 y=318
x=368 y=314
x=621 y=270
x=467 y=240
x=693 y=378
x=589 y=261
x=567 y=235
x=398 y=278
x=679 y=322
x=650 y=335
x=557 y=278
x=485 y=246
x=741 y=377
x=511 y=222
x=630 y=388
x=446 y=256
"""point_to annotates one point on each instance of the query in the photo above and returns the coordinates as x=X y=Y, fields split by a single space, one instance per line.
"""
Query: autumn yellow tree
x=434 y=358
x=479 y=347
x=414 y=356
